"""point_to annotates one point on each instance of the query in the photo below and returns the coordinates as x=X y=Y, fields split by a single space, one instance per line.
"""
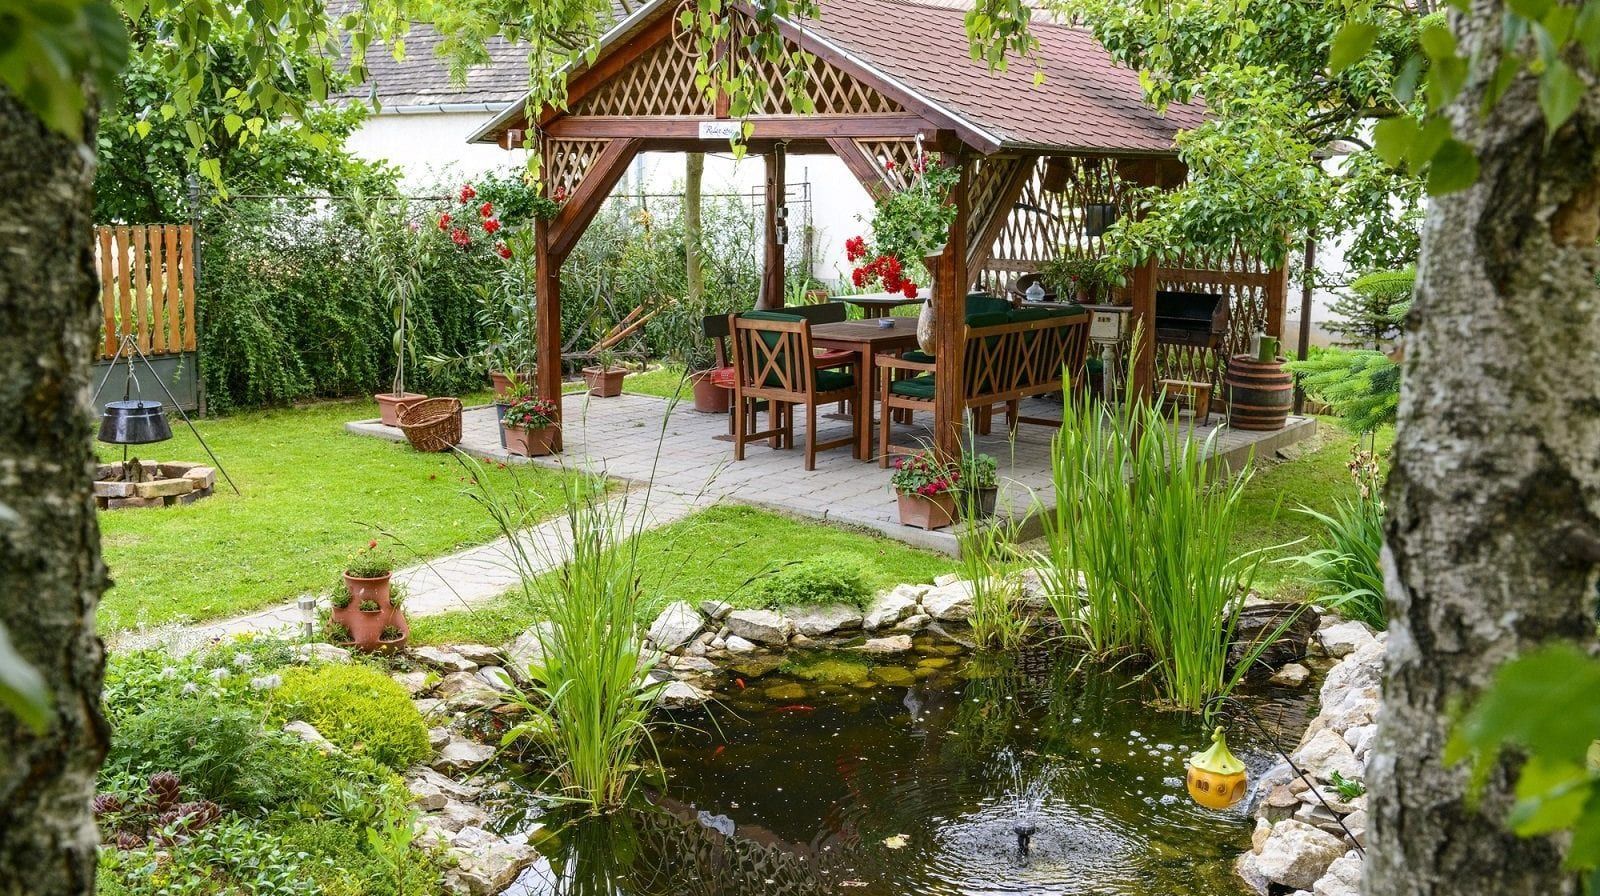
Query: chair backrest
x=820 y=313
x=716 y=326
x=1025 y=355
x=772 y=353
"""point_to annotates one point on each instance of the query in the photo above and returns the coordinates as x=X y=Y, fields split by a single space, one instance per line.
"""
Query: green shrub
x=230 y=857
x=358 y=708
x=828 y=579
x=221 y=750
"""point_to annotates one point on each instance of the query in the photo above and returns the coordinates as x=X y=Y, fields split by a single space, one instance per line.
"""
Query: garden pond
x=914 y=775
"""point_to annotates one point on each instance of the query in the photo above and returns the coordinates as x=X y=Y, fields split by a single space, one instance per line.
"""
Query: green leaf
x=1437 y=41
x=1454 y=168
x=1533 y=10
x=1352 y=42
x=1550 y=796
x=22 y=688
x=1544 y=702
x=1392 y=139
x=1560 y=91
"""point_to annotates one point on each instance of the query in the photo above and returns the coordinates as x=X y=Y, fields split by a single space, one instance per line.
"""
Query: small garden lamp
x=308 y=616
x=1217 y=779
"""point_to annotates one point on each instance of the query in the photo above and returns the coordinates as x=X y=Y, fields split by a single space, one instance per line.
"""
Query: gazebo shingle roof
x=1086 y=101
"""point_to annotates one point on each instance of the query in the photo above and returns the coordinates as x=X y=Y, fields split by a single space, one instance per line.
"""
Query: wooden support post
x=547 y=321
x=1277 y=296
x=1307 y=274
x=1142 y=367
x=949 y=311
x=772 y=257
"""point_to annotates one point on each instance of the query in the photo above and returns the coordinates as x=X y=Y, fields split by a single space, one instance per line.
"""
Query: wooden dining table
x=866 y=339
x=880 y=304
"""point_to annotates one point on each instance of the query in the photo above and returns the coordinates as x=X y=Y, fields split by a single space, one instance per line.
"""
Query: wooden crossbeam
x=584 y=203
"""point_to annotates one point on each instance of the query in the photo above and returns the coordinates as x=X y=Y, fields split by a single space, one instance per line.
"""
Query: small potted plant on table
x=979 y=484
x=529 y=427
x=926 y=489
x=1080 y=278
x=605 y=377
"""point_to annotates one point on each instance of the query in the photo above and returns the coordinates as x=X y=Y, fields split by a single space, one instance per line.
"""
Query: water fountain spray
x=1028 y=795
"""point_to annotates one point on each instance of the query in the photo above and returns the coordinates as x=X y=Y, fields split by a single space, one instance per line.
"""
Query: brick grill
x=148 y=483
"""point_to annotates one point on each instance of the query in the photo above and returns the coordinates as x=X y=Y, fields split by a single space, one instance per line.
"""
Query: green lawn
x=1269 y=520
x=312 y=493
x=662 y=382
x=714 y=554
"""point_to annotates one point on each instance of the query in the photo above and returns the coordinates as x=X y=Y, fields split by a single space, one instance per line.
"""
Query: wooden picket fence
x=147 y=286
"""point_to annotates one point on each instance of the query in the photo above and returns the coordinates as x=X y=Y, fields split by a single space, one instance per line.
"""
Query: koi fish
x=718 y=751
x=796 y=707
x=739 y=682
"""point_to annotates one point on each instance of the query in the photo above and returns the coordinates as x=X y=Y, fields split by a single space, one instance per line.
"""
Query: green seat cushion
x=830 y=380
x=984 y=303
x=1023 y=315
x=780 y=316
x=916 y=387
x=917 y=356
x=988 y=319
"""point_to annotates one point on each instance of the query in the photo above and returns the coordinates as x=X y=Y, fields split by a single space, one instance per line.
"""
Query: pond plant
x=990 y=566
x=588 y=707
x=1140 y=559
x=1348 y=563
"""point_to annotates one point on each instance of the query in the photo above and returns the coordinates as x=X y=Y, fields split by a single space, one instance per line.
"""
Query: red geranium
x=485 y=210
x=490 y=225
x=467 y=193
x=444 y=221
x=460 y=238
x=502 y=250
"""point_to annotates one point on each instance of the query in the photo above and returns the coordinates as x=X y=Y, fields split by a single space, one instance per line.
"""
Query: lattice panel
x=1044 y=223
x=659 y=82
x=989 y=179
x=568 y=161
x=1247 y=312
x=901 y=153
x=831 y=90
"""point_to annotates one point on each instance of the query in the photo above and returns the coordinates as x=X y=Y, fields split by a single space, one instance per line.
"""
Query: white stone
x=416 y=683
x=1245 y=867
x=482 y=654
x=527 y=651
x=1343 y=877
x=913 y=623
x=760 y=626
x=950 y=602
x=890 y=645
x=438 y=737
x=421 y=775
x=691 y=665
x=427 y=796
x=891 y=606
x=824 y=619
x=466 y=691
x=443 y=660
x=306 y=732
x=948 y=578
x=485 y=864
x=1292 y=675
x=1296 y=854
x=736 y=644
x=327 y=653
x=1344 y=638
x=461 y=754
x=681 y=694
x=454 y=816
x=496 y=678
x=676 y=626
x=716 y=610
x=1360 y=739
x=1357 y=823
x=1324 y=753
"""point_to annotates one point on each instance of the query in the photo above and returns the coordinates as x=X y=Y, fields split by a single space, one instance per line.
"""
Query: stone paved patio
x=643 y=439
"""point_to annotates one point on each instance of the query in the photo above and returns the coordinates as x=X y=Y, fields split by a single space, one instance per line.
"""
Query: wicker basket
x=433 y=424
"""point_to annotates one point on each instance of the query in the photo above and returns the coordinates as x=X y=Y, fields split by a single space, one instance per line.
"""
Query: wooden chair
x=716 y=329
x=773 y=362
x=1008 y=357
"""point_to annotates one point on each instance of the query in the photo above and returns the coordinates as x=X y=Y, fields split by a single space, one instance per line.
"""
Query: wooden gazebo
x=883 y=73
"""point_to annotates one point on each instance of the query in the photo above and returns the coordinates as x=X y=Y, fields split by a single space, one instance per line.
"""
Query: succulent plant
x=129 y=840
x=166 y=788
x=106 y=804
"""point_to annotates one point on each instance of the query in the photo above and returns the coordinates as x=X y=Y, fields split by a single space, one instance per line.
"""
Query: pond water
x=912 y=778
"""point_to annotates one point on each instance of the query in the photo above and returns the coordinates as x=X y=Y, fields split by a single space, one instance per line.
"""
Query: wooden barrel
x=1260 y=393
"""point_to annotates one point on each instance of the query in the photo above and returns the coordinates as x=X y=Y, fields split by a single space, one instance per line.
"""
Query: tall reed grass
x=590 y=701
x=1139 y=561
x=1349 y=564
x=989 y=563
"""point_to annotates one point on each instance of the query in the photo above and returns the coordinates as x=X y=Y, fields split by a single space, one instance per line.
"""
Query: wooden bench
x=1009 y=356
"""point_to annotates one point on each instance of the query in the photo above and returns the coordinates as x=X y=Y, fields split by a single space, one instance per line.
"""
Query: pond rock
x=756 y=665
x=421 y=779
x=438 y=737
x=1258 y=622
x=442 y=659
x=913 y=623
x=760 y=626
x=1340 y=639
x=716 y=610
x=482 y=654
x=890 y=645
x=825 y=619
x=326 y=653
x=677 y=625
x=786 y=691
x=1326 y=752
x=485 y=863
x=736 y=644
x=1296 y=855
x=416 y=683
x=461 y=754
x=950 y=602
x=465 y=691
x=1292 y=675
x=690 y=665
x=832 y=670
x=496 y=678
x=893 y=676
x=892 y=606
x=527 y=650
x=1343 y=877
x=681 y=695
x=311 y=735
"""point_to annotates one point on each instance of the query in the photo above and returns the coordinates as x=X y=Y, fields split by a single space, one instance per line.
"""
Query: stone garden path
x=460 y=581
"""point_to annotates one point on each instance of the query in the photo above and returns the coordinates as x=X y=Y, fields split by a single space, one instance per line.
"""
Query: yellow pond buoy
x=1216 y=778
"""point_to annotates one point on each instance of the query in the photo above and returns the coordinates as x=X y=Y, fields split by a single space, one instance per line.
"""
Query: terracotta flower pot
x=527 y=442
x=502 y=381
x=375 y=588
x=398 y=620
x=928 y=511
x=366 y=626
x=390 y=405
x=710 y=398
x=605 y=383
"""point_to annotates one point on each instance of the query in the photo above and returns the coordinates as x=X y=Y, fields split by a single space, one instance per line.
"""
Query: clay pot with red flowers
x=365 y=604
x=926 y=489
x=529 y=427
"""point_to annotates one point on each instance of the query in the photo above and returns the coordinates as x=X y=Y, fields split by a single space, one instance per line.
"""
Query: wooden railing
x=147 y=286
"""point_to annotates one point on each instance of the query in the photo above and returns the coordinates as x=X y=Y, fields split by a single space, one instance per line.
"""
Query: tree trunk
x=50 y=570
x=693 y=238
x=1494 y=536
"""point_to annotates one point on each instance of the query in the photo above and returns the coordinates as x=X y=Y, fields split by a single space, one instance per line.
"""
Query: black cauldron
x=134 y=423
